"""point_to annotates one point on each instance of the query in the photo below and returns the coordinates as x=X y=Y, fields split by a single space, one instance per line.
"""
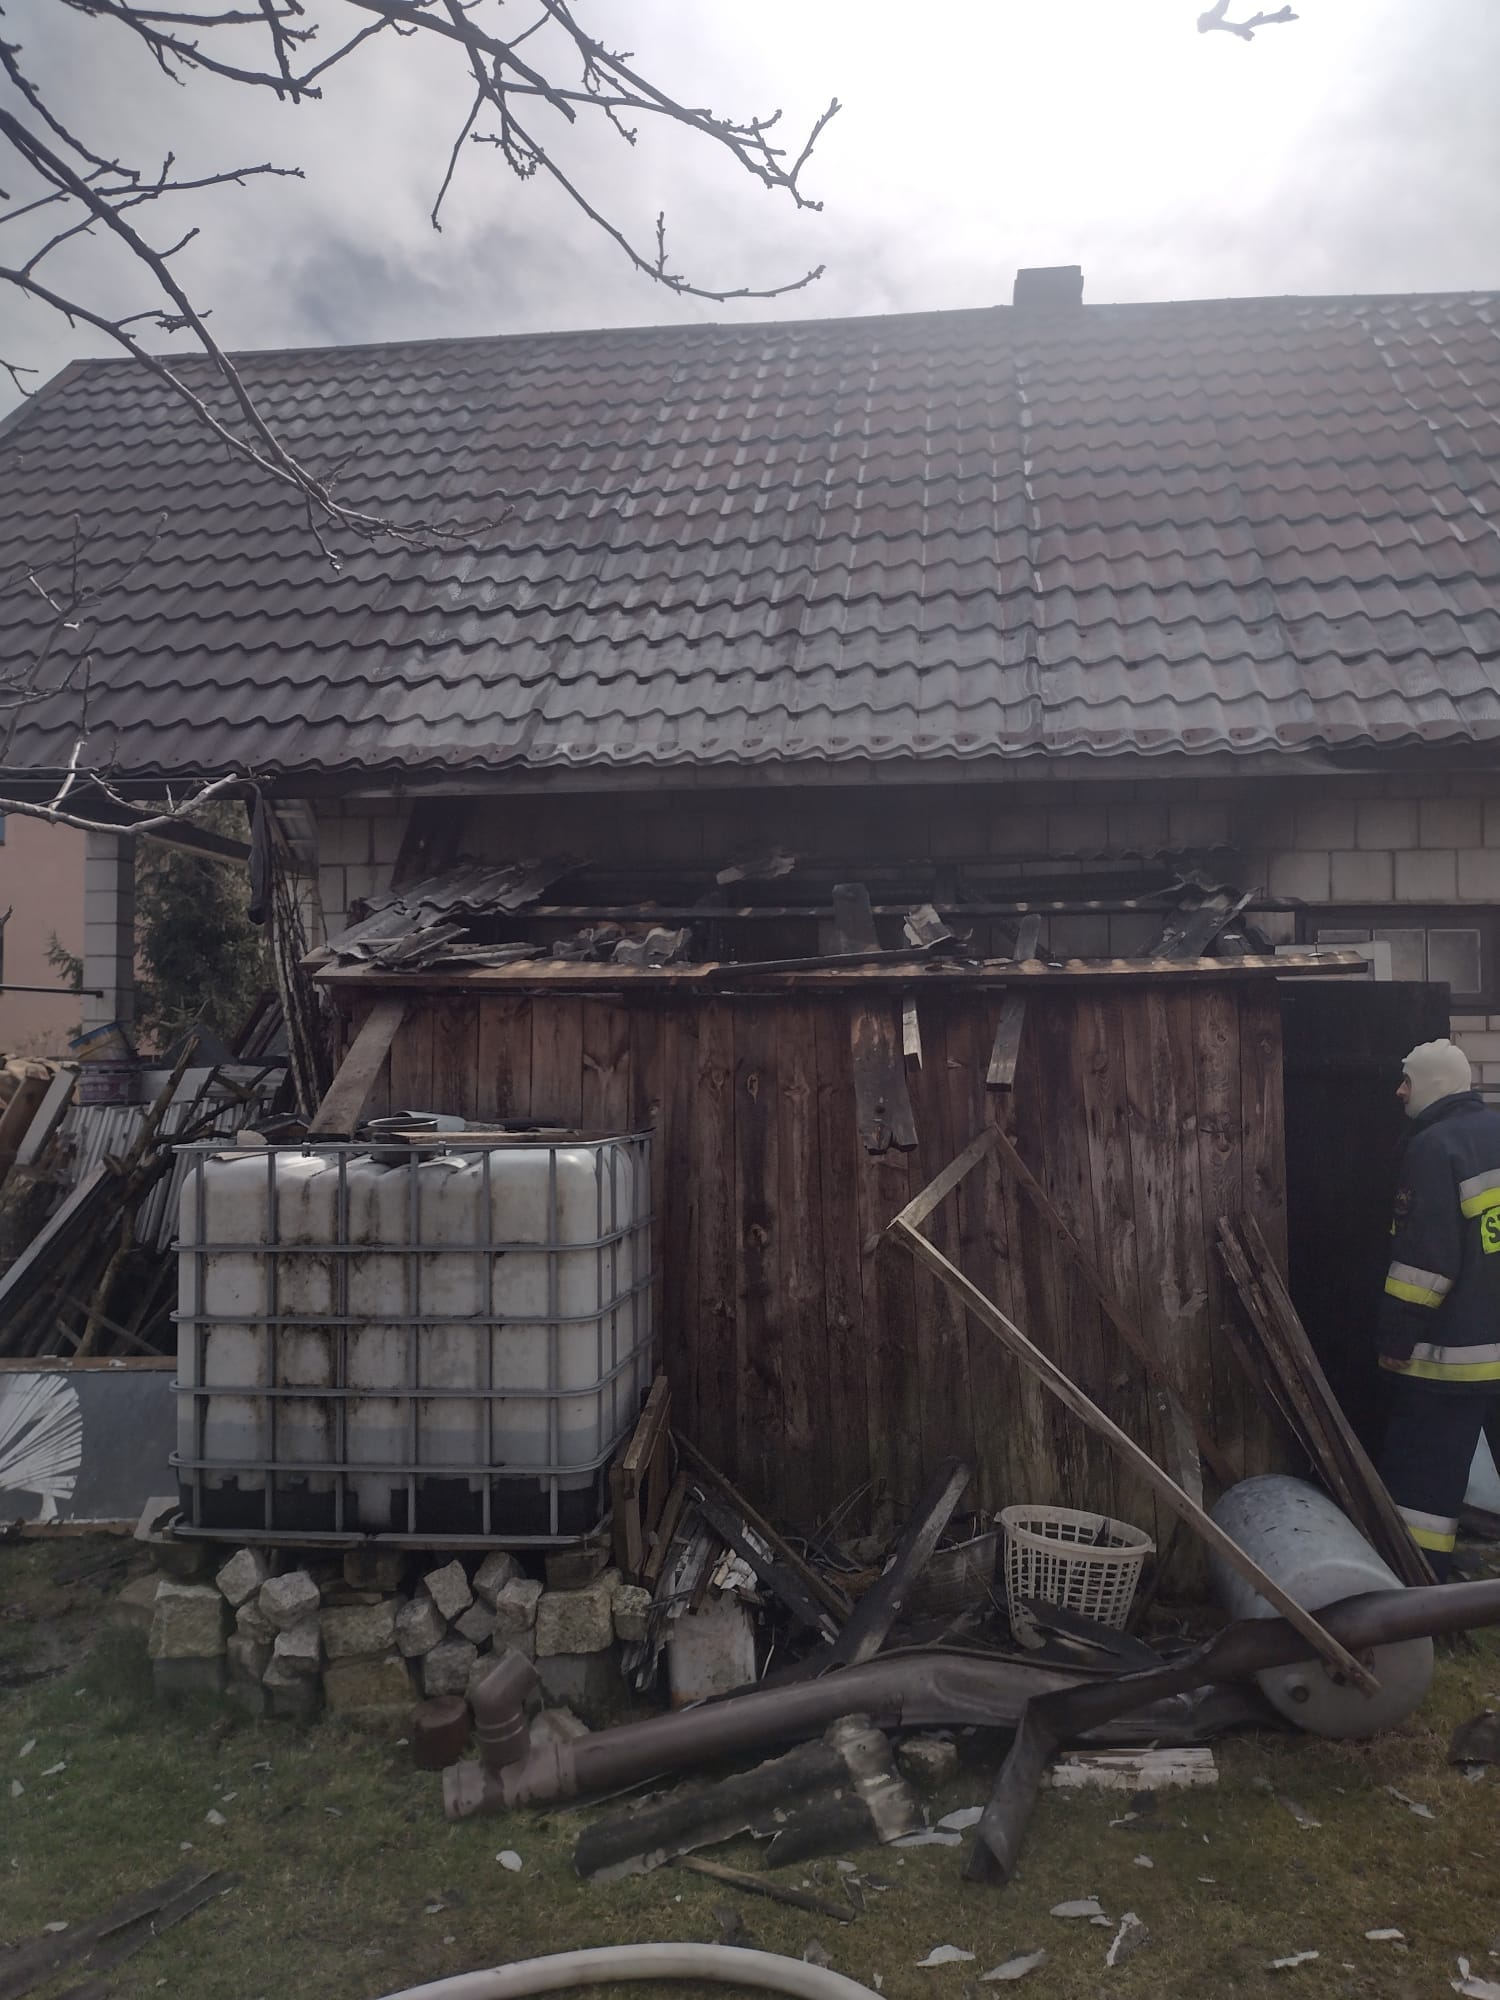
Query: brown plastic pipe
x=915 y=1691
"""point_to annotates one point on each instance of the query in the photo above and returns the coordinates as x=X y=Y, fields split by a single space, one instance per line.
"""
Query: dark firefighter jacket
x=1440 y=1317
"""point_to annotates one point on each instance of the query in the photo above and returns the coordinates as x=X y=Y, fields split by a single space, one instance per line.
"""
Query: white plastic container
x=1315 y=1552
x=478 y=1316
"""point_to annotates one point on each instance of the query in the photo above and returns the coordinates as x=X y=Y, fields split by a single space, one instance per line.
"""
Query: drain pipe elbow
x=548 y=1772
x=499 y=1704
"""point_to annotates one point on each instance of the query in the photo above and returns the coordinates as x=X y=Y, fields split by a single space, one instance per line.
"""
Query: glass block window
x=1452 y=948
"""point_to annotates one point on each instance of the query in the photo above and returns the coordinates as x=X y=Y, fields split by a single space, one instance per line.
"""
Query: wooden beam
x=926 y=1199
x=16 y=1119
x=880 y=1092
x=831 y=1598
x=762 y=1885
x=899 y=969
x=853 y=919
x=1328 y=1437
x=1001 y=1074
x=346 y=1097
x=1109 y=1305
x=49 y=1115
x=1167 y=1490
x=911 y=1031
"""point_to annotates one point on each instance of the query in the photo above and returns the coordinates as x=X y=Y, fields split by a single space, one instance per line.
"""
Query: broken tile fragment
x=1128 y=1938
x=1016 y=1968
x=1080 y=1906
x=1299 y=1813
x=1412 y=1805
x=945 y=1954
x=962 y=1820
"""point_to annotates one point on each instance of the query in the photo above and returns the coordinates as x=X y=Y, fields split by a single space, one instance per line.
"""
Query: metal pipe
x=925 y=1690
x=910 y=1691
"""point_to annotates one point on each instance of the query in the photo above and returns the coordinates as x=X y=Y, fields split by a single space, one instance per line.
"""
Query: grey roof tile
x=1237 y=525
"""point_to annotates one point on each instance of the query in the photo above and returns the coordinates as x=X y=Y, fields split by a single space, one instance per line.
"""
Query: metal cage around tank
x=439 y=1343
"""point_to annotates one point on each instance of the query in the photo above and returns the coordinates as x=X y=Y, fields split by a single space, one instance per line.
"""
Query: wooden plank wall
x=811 y=1359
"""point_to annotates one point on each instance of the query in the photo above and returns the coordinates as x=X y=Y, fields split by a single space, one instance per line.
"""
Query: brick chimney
x=1049 y=288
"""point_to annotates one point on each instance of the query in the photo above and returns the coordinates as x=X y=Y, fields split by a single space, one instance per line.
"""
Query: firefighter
x=1439 y=1331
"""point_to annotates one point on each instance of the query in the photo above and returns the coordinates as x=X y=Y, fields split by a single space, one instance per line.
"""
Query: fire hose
x=729 y=1964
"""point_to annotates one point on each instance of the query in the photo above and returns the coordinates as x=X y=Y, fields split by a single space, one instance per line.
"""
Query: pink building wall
x=42 y=884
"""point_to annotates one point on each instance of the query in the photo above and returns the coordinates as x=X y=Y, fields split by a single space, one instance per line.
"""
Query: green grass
x=343 y=1850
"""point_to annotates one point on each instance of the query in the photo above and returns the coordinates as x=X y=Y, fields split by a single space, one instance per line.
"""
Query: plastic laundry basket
x=1086 y=1562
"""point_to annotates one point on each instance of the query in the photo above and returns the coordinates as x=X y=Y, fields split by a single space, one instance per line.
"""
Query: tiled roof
x=1246 y=525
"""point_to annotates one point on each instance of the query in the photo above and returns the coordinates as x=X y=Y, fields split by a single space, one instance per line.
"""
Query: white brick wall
x=109 y=929
x=1305 y=877
x=1362 y=878
x=1424 y=876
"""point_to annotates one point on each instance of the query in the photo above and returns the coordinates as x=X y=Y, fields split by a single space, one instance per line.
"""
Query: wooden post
x=346 y=1097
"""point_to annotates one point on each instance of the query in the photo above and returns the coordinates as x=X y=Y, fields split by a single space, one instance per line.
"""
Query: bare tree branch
x=1215 y=18
x=565 y=67
x=73 y=191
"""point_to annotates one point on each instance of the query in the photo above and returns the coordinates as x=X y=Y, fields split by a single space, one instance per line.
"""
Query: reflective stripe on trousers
x=1430 y=1531
x=1429 y=1362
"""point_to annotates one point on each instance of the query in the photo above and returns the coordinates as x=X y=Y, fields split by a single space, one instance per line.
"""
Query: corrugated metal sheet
x=94 y=1132
x=1239 y=525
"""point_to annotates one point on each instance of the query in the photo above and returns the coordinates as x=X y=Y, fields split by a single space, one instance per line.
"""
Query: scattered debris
x=27 y=1747
x=1386 y=1937
x=810 y=1800
x=929 y=1761
x=1476 y=1741
x=945 y=1954
x=1299 y=1813
x=1135 y=1771
x=962 y=1820
x=761 y=1885
x=54 y=1770
x=871 y=1620
x=930 y=1837
x=106 y=1941
x=214 y=1817
x=1144 y=1861
x=510 y=1860
x=1128 y=1938
x=1016 y=1968
x=1081 y=1906
x=1412 y=1805
x=1294 y=1958
x=1471 y=1986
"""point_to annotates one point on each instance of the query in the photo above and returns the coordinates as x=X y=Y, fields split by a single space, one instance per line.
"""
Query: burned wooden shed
x=794 y=1112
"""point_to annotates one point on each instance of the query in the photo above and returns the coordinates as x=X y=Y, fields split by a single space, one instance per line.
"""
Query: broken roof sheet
x=1245 y=525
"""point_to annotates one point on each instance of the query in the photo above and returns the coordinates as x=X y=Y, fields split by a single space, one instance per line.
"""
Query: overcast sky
x=1355 y=150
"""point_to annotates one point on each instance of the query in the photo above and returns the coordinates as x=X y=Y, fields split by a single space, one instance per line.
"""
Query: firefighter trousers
x=1430 y=1443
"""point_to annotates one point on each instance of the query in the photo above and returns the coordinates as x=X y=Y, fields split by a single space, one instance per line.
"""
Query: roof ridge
x=710 y=327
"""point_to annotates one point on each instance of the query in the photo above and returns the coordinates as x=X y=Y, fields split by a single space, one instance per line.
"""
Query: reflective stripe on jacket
x=1440 y=1317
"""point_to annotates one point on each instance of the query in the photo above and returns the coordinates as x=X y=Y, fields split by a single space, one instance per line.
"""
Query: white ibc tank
x=1299 y=1537
x=474 y=1314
